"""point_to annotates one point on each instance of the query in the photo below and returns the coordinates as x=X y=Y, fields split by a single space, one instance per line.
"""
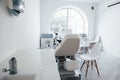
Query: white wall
x=49 y=6
x=109 y=27
x=19 y=32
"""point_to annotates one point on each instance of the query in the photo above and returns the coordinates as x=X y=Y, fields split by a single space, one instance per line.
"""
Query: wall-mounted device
x=92 y=7
x=15 y=7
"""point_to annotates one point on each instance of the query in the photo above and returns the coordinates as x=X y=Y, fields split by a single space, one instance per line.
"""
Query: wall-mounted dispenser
x=15 y=7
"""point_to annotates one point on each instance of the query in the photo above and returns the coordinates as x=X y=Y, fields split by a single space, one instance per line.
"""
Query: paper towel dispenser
x=15 y=7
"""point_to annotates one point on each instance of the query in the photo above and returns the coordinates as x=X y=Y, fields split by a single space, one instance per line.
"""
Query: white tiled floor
x=109 y=67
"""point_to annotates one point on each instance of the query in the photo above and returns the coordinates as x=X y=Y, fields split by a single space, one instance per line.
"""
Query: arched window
x=68 y=20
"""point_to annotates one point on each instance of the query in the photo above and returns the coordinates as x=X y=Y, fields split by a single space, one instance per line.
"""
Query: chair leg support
x=92 y=64
x=97 y=67
x=87 y=68
x=82 y=65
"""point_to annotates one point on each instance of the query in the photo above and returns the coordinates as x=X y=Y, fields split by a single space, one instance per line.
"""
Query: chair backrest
x=97 y=38
x=69 y=46
x=96 y=50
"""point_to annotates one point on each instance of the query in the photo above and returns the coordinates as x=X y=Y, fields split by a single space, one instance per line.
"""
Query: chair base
x=93 y=62
x=64 y=74
x=71 y=77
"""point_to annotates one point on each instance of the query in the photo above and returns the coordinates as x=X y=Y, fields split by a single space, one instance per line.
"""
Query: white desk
x=50 y=71
x=29 y=63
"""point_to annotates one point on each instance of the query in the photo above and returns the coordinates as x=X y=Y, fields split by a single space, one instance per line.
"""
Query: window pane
x=75 y=21
x=67 y=20
x=58 y=22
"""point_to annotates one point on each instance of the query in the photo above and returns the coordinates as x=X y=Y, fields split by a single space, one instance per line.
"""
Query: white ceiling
x=88 y=1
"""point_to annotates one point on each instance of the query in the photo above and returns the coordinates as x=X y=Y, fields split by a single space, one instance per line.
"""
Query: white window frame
x=83 y=15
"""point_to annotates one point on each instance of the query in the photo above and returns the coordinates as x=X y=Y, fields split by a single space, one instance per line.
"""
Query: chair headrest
x=72 y=36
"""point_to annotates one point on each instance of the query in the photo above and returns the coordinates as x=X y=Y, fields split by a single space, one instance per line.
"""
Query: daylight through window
x=67 y=20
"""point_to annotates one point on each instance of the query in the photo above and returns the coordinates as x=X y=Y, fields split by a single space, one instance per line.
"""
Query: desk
x=50 y=71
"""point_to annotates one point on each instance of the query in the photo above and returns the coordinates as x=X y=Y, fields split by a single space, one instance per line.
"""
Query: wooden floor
x=109 y=67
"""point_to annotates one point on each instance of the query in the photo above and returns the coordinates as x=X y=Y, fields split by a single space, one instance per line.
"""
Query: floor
x=109 y=67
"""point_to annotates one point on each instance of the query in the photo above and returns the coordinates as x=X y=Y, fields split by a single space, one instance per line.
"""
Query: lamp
x=15 y=7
